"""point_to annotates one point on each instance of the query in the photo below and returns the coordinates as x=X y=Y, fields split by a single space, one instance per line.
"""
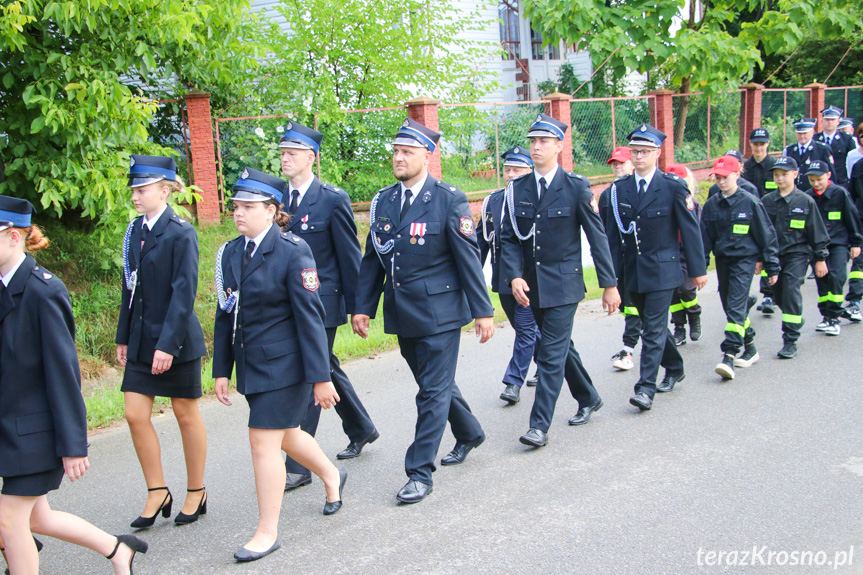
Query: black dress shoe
x=331 y=508
x=534 y=437
x=243 y=555
x=669 y=381
x=414 y=492
x=642 y=401
x=460 y=451
x=294 y=480
x=583 y=414
x=354 y=448
x=511 y=394
x=533 y=380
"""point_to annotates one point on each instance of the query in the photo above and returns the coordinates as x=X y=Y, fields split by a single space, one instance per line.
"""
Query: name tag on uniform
x=798 y=224
x=798 y=211
x=740 y=229
x=834 y=215
x=742 y=216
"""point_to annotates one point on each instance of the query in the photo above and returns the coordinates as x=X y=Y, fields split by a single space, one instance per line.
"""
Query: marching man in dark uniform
x=421 y=253
x=735 y=227
x=655 y=215
x=516 y=162
x=839 y=142
x=806 y=151
x=801 y=235
x=321 y=215
x=542 y=265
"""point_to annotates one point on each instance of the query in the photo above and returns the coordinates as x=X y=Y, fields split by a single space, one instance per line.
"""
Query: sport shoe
x=751 y=301
x=695 y=327
x=788 y=351
x=767 y=306
x=832 y=327
x=825 y=323
x=748 y=357
x=679 y=335
x=725 y=368
x=622 y=360
x=852 y=312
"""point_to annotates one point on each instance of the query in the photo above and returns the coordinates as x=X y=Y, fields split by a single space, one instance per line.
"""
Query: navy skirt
x=182 y=381
x=33 y=485
x=283 y=408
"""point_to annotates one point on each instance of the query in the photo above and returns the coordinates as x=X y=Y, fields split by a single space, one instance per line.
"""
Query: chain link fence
x=599 y=126
x=850 y=99
x=705 y=127
x=779 y=108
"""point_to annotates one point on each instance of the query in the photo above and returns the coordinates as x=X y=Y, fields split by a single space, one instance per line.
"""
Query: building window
x=554 y=51
x=536 y=51
x=509 y=38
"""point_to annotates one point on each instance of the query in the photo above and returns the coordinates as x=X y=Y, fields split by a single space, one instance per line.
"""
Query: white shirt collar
x=830 y=136
x=257 y=239
x=302 y=189
x=8 y=277
x=548 y=177
x=416 y=189
x=151 y=223
x=647 y=179
x=804 y=146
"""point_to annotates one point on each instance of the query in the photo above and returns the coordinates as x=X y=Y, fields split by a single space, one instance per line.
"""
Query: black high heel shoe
x=133 y=543
x=142 y=522
x=39 y=547
x=184 y=519
x=331 y=508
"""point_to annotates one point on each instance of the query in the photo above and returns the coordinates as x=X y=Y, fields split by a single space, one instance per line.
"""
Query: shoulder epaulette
x=574 y=176
x=446 y=186
x=178 y=219
x=621 y=178
x=290 y=238
x=43 y=274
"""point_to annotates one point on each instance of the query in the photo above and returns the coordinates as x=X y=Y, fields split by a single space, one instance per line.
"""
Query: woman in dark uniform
x=43 y=421
x=270 y=325
x=159 y=338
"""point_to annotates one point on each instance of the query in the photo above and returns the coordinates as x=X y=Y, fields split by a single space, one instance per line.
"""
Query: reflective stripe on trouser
x=684 y=300
x=832 y=286
x=787 y=293
x=632 y=325
x=855 y=280
x=734 y=276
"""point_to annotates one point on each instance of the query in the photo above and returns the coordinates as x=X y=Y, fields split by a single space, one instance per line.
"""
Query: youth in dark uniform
x=684 y=306
x=839 y=142
x=421 y=253
x=807 y=150
x=321 y=215
x=159 y=339
x=801 y=235
x=759 y=168
x=516 y=162
x=43 y=421
x=855 y=276
x=742 y=183
x=842 y=221
x=270 y=326
x=541 y=263
x=655 y=215
x=621 y=165
x=735 y=227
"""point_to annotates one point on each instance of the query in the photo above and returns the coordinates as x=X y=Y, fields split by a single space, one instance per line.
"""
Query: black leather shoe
x=354 y=448
x=414 y=492
x=511 y=394
x=243 y=555
x=583 y=414
x=295 y=480
x=642 y=401
x=331 y=508
x=534 y=437
x=460 y=451
x=533 y=380
x=669 y=381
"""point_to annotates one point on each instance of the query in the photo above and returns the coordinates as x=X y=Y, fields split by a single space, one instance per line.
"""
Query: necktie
x=802 y=149
x=407 y=204
x=247 y=255
x=295 y=196
x=542 y=187
x=145 y=231
x=642 y=187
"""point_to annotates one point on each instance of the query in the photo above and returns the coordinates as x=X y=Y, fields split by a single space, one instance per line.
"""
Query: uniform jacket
x=551 y=260
x=492 y=220
x=738 y=227
x=428 y=287
x=665 y=223
x=42 y=413
x=840 y=145
x=839 y=215
x=856 y=186
x=814 y=151
x=280 y=338
x=331 y=232
x=798 y=224
x=162 y=315
x=760 y=174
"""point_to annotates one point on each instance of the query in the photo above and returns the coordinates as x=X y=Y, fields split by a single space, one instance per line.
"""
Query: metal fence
x=705 y=127
x=599 y=125
x=849 y=98
x=779 y=108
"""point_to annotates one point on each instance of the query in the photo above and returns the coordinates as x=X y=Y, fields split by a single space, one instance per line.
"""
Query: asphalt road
x=772 y=461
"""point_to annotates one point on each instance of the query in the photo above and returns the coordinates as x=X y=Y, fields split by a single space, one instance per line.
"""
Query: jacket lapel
x=135 y=244
x=265 y=248
x=153 y=236
x=16 y=286
x=419 y=206
x=235 y=257
x=309 y=199
x=552 y=189
x=650 y=193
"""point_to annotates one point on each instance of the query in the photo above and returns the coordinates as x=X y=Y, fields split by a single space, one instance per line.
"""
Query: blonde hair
x=690 y=181
x=177 y=186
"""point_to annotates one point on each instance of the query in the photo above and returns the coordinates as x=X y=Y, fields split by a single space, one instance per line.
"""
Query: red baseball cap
x=678 y=170
x=724 y=166
x=620 y=154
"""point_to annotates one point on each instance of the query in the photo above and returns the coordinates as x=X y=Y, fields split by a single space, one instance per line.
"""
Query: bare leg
x=303 y=449
x=269 y=483
x=139 y=409
x=194 y=448
x=21 y=554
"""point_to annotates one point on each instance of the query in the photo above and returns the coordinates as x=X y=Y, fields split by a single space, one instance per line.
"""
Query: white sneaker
x=825 y=323
x=623 y=361
x=833 y=328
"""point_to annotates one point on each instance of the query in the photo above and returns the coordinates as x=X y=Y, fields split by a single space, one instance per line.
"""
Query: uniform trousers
x=432 y=360
x=355 y=419
x=526 y=342
x=632 y=321
x=832 y=286
x=855 y=280
x=735 y=278
x=787 y=293
x=684 y=300
x=556 y=360
x=657 y=343
x=764 y=284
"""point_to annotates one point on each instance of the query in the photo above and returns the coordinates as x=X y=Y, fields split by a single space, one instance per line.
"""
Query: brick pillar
x=750 y=114
x=662 y=118
x=557 y=106
x=425 y=111
x=203 y=155
x=815 y=103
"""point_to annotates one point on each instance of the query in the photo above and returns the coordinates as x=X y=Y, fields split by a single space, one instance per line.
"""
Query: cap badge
x=515 y=150
x=644 y=127
x=245 y=174
x=406 y=124
x=539 y=118
x=131 y=162
x=289 y=126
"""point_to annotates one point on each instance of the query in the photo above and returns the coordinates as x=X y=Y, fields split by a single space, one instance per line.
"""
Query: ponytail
x=34 y=239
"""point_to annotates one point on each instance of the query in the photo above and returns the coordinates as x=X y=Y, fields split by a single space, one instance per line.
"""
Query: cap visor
x=294 y=145
x=244 y=196
x=410 y=142
x=543 y=134
x=138 y=182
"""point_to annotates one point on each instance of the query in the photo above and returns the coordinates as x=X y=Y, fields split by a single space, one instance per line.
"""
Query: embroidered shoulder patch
x=310 y=279
x=690 y=203
x=594 y=205
x=466 y=225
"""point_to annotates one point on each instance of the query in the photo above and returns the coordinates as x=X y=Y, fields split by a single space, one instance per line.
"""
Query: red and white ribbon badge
x=305 y=218
x=418 y=229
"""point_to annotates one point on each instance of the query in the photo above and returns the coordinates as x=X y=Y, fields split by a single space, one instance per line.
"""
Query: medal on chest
x=418 y=230
x=305 y=220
